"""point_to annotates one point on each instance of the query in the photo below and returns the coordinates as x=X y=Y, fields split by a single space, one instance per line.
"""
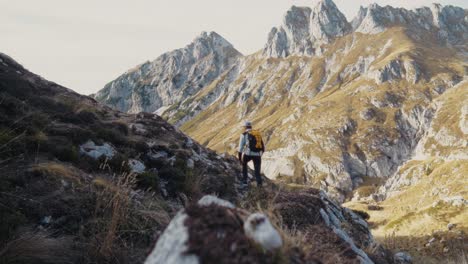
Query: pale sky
x=84 y=44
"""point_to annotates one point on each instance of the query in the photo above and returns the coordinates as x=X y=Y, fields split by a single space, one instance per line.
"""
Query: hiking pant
x=257 y=161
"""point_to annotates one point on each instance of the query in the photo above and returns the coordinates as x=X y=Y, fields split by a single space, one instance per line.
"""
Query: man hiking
x=252 y=147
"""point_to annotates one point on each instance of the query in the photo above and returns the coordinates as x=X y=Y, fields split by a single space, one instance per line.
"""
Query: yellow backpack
x=255 y=141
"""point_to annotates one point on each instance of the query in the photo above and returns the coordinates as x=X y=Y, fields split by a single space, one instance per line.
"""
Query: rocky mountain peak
x=292 y=36
x=172 y=76
x=356 y=22
x=374 y=18
x=327 y=21
x=304 y=28
x=297 y=18
x=448 y=22
x=211 y=42
x=451 y=21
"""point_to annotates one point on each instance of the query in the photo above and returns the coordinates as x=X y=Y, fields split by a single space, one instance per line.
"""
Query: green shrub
x=12 y=143
x=35 y=141
x=87 y=117
x=9 y=107
x=173 y=146
x=11 y=219
x=35 y=122
x=68 y=153
x=49 y=105
x=121 y=127
x=372 y=207
x=110 y=135
x=119 y=164
x=147 y=180
x=175 y=175
x=179 y=115
x=362 y=214
x=89 y=164
x=80 y=136
x=138 y=146
x=6 y=135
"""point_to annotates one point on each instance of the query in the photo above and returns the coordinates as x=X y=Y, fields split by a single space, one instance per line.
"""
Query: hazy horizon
x=84 y=45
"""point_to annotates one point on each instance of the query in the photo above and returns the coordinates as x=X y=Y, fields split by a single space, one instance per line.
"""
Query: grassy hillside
x=423 y=210
x=60 y=205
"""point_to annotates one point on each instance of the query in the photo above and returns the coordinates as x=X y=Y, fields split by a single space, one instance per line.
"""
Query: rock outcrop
x=448 y=22
x=327 y=22
x=216 y=232
x=304 y=29
x=172 y=77
x=293 y=36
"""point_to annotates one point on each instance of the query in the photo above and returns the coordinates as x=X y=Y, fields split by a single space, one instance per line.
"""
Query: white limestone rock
x=136 y=166
x=451 y=226
x=155 y=155
x=396 y=70
x=139 y=129
x=190 y=164
x=403 y=258
x=357 y=21
x=457 y=201
x=258 y=228
x=208 y=200
x=463 y=124
x=325 y=217
x=274 y=166
x=172 y=245
x=94 y=151
x=345 y=237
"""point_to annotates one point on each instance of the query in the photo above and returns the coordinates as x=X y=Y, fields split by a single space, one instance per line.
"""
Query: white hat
x=248 y=124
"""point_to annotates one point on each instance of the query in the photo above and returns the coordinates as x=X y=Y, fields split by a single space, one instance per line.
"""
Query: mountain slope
x=76 y=176
x=82 y=183
x=357 y=111
x=428 y=193
x=340 y=103
x=172 y=77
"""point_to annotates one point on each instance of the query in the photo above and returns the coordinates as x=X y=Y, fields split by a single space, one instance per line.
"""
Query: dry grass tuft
x=38 y=247
x=114 y=202
x=57 y=170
